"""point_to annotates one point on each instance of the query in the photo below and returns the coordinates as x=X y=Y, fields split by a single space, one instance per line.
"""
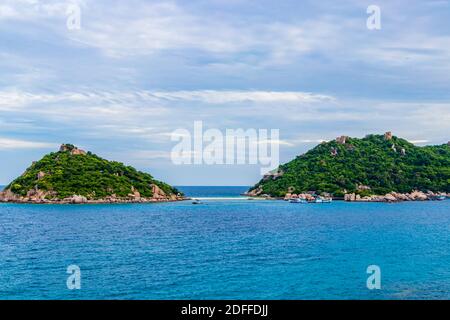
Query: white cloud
x=36 y=9
x=12 y=144
x=147 y=116
x=150 y=117
x=275 y=142
x=214 y=96
x=310 y=140
x=163 y=26
x=110 y=101
x=150 y=154
x=143 y=28
x=7 y=12
x=124 y=30
x=423 y=141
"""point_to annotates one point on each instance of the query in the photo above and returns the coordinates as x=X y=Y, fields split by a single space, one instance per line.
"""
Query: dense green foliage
x=370 y=161
x=86 y=175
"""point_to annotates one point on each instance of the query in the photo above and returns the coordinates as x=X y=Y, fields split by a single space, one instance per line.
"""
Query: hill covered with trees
x=374 y=165
x=73 y=175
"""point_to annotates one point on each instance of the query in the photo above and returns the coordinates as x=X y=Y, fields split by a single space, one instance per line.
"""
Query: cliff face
x=374 y=165
x=72 y=175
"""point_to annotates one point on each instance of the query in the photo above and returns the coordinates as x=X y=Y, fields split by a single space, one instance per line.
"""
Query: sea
x=225 y=247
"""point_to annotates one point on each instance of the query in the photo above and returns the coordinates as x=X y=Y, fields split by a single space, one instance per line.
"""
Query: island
x=74 y=176
x=376 y=168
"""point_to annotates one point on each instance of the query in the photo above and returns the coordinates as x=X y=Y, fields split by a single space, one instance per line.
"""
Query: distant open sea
x=225 y=248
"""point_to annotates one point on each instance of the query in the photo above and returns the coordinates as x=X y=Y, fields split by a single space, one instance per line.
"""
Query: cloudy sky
x=138 y=70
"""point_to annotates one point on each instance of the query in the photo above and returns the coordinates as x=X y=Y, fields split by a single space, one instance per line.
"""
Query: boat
x=298 y=201
x=441 y=198
x=315 y=200
x=320 y=199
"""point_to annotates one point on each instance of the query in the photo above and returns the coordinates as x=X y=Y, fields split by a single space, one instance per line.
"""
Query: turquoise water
x=225 y=249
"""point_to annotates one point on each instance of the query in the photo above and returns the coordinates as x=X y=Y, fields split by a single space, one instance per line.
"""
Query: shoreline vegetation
x=74 y=176
x=377 y=168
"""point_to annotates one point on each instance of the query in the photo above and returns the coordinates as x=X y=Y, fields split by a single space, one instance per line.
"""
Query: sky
x=135 y=71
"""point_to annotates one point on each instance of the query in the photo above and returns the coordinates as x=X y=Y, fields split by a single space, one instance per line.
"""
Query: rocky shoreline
x=42 y=197
x=397 y=197
x=390 y=197
x=83 y=200
x=353 y=197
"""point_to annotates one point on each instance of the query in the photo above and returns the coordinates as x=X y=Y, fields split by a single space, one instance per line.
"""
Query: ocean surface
x=225 y=248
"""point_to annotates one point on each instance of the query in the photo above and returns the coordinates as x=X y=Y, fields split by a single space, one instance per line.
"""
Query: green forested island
x=374 y=165
x=72 y=175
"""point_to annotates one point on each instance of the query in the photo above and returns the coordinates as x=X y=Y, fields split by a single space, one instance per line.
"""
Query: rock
x=342 y=139
x=8 y=195
x=40 y=175
x=73 y=150
x=306 y=196
x=76 y=199
x=63 y=148
x=410 y=197
x=111 y=199
x=36 y=194
x=350 y=197
x=157 y=192
x=77 y=151
x=388 y=136
x=400 y=196
x=135 y=194
x=362 y=187
x=334 y=152
x=274 y=174
x=418 y=196
x=390 y=198
x=394 y=148
x=403 y=152
x=378 y=199
x=255 y=192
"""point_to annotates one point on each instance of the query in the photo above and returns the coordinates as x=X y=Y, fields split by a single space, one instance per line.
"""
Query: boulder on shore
x=76 y=199
x=393 y=197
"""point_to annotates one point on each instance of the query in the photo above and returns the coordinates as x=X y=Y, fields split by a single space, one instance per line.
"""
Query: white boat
x=322 y=200
x=298 y=201
x=316 y=200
